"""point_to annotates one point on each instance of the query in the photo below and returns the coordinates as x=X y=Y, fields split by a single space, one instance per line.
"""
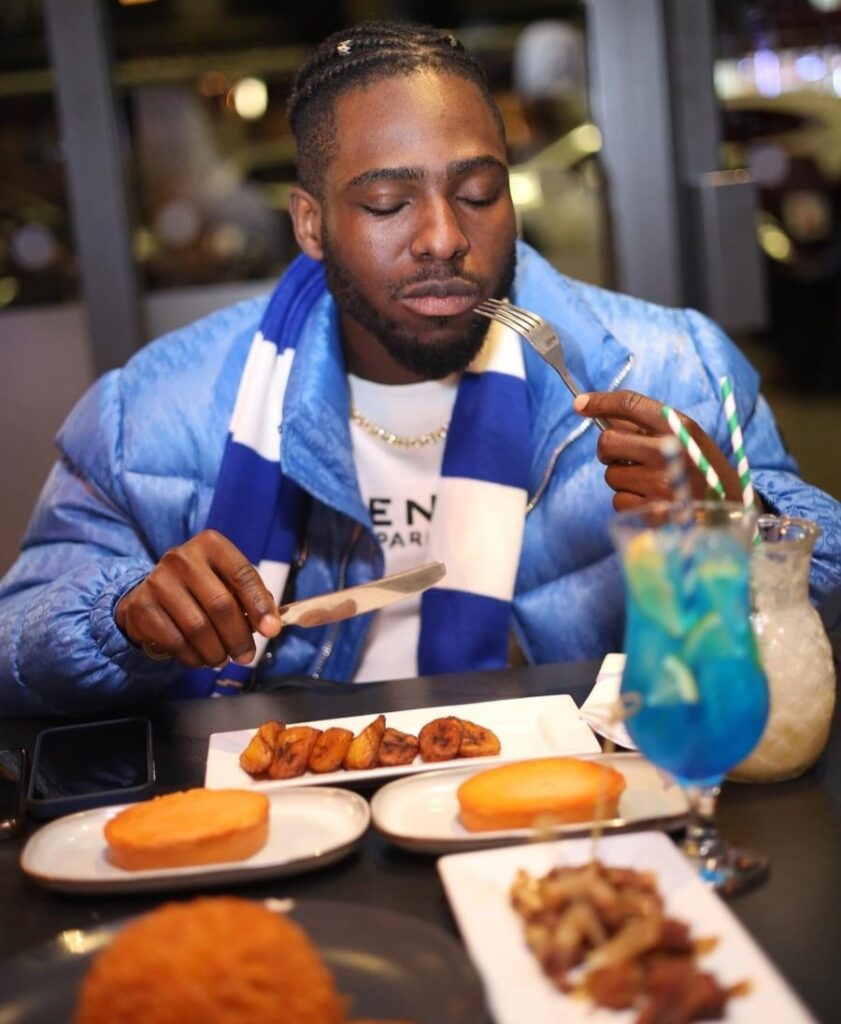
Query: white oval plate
x=420 y=813
x=307 y=829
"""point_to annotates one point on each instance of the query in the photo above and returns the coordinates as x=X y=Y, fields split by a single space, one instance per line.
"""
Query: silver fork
x=539 y=334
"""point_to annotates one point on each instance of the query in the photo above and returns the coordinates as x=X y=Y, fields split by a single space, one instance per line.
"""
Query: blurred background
x=687 y=151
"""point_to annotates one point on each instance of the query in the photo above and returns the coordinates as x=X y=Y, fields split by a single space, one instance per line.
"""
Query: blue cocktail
x=693 y=679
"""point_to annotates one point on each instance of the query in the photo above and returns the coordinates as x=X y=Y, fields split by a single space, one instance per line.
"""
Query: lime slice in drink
x=675 y=683
x=650 y=584
x=710 y=638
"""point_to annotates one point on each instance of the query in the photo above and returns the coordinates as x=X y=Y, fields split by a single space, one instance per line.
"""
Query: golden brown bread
x=218 y=960
x=197 y=826
x=560 y=789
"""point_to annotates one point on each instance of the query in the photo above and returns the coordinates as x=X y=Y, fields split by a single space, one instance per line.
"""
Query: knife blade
x=367 y=597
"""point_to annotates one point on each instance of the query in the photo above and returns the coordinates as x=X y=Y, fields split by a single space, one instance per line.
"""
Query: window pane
x=36 y=247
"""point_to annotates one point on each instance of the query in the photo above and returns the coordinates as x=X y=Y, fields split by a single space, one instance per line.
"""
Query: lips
x=440 y=298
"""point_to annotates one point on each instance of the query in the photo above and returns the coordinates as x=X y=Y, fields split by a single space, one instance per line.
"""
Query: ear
x=305 y=211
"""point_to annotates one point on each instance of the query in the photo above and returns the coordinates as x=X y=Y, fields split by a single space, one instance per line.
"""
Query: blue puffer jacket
x=141 y=451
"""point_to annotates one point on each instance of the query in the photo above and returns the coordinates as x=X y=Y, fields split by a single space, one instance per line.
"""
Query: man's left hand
x=630 y=449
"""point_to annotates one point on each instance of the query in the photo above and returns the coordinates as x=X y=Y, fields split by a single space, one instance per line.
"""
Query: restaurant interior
x=687 y=152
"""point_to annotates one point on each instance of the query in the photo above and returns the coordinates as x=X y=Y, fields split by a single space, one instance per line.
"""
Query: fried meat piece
x=259 y=753
x=293 y=752
x=678 y=991
x=214 y=960
x=397 y=747
x=364 y=748
x=477 y=741
x=329 y=750
x=617 y=987
x=440 y=739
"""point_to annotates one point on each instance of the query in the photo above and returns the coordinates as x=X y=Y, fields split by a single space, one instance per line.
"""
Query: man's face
x=417 y=224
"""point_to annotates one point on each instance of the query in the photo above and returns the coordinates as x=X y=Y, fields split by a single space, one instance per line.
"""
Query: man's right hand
x=199 y=605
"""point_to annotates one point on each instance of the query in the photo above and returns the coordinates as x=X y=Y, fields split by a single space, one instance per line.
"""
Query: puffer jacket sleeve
x=60 y=648
x=773 y=470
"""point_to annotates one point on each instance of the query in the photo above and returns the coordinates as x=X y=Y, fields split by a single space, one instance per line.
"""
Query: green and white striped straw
x=692 y=450
x=738 y=442
x=678 y=480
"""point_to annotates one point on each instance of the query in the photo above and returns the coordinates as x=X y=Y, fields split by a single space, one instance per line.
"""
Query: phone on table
x=12 y=792
x=75 y=767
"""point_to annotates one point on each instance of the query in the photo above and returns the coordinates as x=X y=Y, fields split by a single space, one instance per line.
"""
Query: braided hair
x=355 y=57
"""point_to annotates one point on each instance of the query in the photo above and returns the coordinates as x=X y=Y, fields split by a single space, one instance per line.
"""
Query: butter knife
x=367 y=597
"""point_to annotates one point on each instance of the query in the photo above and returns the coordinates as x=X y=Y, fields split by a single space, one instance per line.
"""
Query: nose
x=439 y=235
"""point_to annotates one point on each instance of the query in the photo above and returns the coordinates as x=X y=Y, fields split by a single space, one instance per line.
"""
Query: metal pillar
x=684 y=231
x=80 y=57
x=629 y=91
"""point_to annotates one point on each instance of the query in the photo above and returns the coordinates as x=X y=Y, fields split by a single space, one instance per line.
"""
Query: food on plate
x=440 y=739
x=329 y=750
x=603 y=932
x=277 y=751
x=557 y=790
x=364 y=748
x=218 y=960
x=397 y=747
x=259 y=753
x=292 y=754
x=196 y=826
x=477 y=741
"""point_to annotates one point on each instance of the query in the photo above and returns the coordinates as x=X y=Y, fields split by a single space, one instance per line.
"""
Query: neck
x=366 y=357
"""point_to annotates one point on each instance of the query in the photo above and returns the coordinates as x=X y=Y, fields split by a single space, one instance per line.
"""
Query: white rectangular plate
x=421 y=813
x=307 y=829
x=526 y=727
x=477 y=886
x=603 y=700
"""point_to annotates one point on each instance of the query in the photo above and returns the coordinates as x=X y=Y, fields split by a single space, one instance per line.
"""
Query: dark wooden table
x=795 y=916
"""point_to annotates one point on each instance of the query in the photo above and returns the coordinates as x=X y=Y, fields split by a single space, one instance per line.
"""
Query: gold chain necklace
x=396 y=440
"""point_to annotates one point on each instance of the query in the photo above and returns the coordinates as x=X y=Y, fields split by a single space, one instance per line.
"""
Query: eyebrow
x=456 y=169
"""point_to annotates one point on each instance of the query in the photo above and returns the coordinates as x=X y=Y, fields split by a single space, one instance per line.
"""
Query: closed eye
x=383 y=211
x=480 y=202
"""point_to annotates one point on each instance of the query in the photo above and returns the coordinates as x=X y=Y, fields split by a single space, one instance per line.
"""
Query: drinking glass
x=693 y=685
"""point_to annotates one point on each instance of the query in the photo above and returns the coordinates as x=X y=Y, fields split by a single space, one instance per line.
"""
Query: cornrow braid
x=355 y=57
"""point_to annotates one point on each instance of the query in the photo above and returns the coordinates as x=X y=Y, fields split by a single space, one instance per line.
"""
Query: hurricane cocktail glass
x=695 y=691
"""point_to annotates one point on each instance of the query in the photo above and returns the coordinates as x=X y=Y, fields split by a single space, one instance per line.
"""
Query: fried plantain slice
x=270 y=731
x=477 y=741
x=363 y=750
x=293 y=752
x=440 y=739
x=259 y=753
x=397 y=747
x=328 y=752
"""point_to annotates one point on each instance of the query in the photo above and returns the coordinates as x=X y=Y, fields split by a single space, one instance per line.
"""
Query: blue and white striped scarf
x=477 y=526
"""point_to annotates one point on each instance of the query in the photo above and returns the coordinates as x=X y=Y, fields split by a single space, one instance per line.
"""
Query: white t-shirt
x=399 y=485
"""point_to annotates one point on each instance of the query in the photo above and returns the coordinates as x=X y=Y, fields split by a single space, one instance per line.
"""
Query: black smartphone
x=75 y=767
x=12 y=792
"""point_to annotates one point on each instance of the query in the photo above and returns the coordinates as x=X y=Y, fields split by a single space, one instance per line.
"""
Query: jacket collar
x=316 y=449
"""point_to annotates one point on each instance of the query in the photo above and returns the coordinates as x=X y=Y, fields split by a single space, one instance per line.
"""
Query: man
x=365 y=419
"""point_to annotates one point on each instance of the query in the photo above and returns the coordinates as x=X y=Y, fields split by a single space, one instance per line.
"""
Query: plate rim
x=220 y=873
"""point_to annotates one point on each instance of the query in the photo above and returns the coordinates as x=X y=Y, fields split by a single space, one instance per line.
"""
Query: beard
x=431 y=358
